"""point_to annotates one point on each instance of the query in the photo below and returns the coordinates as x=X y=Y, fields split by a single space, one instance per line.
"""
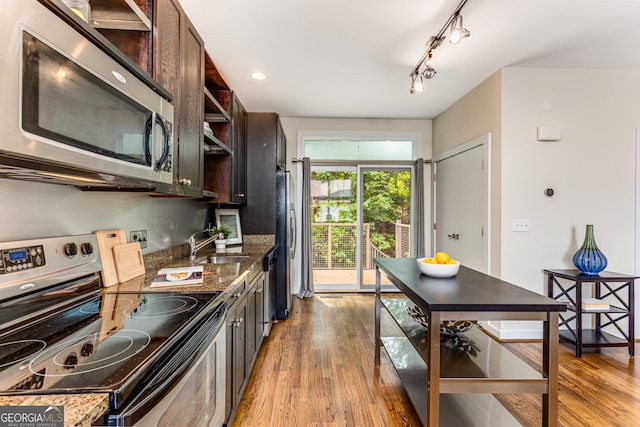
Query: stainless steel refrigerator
x=285 y=244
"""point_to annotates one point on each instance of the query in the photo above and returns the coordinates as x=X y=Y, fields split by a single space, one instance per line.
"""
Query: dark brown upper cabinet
x=178 y=64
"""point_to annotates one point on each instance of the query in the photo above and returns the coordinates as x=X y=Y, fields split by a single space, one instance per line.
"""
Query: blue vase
x=589 y=259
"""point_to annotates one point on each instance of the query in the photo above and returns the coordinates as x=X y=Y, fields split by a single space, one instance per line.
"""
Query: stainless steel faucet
x=196 y=247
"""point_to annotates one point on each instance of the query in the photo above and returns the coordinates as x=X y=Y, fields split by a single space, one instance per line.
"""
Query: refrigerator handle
x=292 y=231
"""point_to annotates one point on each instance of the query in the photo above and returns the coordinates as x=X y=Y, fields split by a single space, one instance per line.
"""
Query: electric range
x=60 y=333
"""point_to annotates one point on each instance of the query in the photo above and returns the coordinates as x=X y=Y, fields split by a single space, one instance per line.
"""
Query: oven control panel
x=32 y=264
x=17 y=259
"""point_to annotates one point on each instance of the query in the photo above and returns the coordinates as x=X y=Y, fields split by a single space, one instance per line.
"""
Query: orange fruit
x=442 y=257
x=430 y=261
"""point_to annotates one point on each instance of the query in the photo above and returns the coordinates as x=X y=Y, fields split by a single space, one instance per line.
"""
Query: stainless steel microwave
x=71 y=112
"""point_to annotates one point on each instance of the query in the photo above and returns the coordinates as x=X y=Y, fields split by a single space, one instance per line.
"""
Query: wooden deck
x=343 y=280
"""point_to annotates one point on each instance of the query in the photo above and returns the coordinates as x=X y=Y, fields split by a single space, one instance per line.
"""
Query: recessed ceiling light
x=259 y=75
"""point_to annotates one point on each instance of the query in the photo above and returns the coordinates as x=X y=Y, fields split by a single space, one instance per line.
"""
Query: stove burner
x=123 y=303
x=124 y=344
x=16 y=350
x=161 y=307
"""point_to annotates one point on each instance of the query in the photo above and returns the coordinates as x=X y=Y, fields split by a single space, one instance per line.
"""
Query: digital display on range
x=18 y=259
x=18 y=255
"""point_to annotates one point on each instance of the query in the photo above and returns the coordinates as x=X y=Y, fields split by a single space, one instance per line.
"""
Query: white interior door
x=461 y=204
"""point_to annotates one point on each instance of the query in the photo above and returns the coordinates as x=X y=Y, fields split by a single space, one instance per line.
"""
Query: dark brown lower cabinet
x=245 y=329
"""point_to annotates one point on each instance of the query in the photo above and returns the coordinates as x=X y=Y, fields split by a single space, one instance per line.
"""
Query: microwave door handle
x=148 y=138
x=166 y=137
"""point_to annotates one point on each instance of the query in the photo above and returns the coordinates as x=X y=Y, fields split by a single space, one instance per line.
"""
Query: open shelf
x=215 y=146
x=118 y=15
x=594 y=338
x=470 y=362
x=214 y=112
x=478 y=409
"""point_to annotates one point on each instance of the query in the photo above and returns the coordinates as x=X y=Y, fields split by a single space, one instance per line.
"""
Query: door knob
x=454 y=236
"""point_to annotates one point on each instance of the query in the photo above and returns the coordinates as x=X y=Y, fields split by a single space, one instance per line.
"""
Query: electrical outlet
x=521 y=225
x=139 y=236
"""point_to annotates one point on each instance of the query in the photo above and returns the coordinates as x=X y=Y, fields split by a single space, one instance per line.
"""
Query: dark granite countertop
x=217 y=277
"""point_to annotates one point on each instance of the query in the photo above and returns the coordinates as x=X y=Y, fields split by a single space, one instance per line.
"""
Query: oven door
x=195 y=398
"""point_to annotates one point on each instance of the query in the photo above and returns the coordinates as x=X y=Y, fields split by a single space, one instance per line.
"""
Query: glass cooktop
x=101 y=343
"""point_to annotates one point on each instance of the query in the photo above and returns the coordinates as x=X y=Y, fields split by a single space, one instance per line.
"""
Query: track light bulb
x=416 y=84
x=429 y=72
x=458 y=32
x=419 y=84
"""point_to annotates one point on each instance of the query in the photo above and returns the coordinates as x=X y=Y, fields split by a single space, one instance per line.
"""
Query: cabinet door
x=239 y=153
x=230 y=325
x=166 y=57
x=260 y=305
x=190 y=147
x=179 y=68
x=251 y=325
x=238 y=374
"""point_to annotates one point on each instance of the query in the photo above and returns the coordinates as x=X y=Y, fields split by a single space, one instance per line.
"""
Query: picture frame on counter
x=230 y=218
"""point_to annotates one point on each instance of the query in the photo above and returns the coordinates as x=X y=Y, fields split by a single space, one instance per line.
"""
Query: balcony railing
x=334 y=245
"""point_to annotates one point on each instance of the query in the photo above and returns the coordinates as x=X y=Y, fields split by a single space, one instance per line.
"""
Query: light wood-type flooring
x=316 y=369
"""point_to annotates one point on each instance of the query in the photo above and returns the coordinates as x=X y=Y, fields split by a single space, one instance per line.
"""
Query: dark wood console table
x=446 y=385
x=605 y=286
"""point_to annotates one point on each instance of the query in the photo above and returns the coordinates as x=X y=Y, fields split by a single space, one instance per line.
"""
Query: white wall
x=34 y=210
x=478 y=113
x=591 y=169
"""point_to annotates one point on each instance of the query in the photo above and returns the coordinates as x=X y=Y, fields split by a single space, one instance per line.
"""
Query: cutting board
x=128 y=260
x=107 y=239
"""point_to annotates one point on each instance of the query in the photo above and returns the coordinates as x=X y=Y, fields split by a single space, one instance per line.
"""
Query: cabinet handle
x=237 y=295
x=237 y=323
x=259 y=291
x=240 y=195
x=454 y=236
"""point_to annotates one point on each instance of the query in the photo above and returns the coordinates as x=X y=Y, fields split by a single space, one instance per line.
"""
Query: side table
x=613 y=288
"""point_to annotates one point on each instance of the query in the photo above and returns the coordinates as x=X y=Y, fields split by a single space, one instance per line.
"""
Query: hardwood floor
x=316 y=369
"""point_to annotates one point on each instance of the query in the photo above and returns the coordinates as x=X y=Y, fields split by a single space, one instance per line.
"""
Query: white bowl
x=438 y=270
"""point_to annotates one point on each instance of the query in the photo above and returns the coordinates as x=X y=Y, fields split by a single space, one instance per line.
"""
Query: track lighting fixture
x=457 y=32
x=429 y=72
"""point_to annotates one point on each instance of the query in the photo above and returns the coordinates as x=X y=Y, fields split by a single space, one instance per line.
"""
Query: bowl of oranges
x=441 y=265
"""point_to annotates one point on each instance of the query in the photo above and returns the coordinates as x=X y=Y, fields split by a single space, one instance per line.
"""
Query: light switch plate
x=549 y=133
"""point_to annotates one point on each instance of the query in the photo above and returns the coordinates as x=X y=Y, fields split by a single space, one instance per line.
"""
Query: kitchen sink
x=222 y=259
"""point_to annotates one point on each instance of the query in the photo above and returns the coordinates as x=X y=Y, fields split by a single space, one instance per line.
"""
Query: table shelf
x=471 y=361
x=482 y=410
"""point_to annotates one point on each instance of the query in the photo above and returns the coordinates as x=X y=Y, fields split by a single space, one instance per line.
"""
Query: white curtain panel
x=306 y=250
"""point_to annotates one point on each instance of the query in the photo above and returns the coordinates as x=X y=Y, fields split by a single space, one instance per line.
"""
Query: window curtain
x=306 y=250
x=419 y=208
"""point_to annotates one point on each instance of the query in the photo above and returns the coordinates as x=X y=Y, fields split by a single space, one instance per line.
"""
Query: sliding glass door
x=358 y=213
x=334 y=228
x=384 y=217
